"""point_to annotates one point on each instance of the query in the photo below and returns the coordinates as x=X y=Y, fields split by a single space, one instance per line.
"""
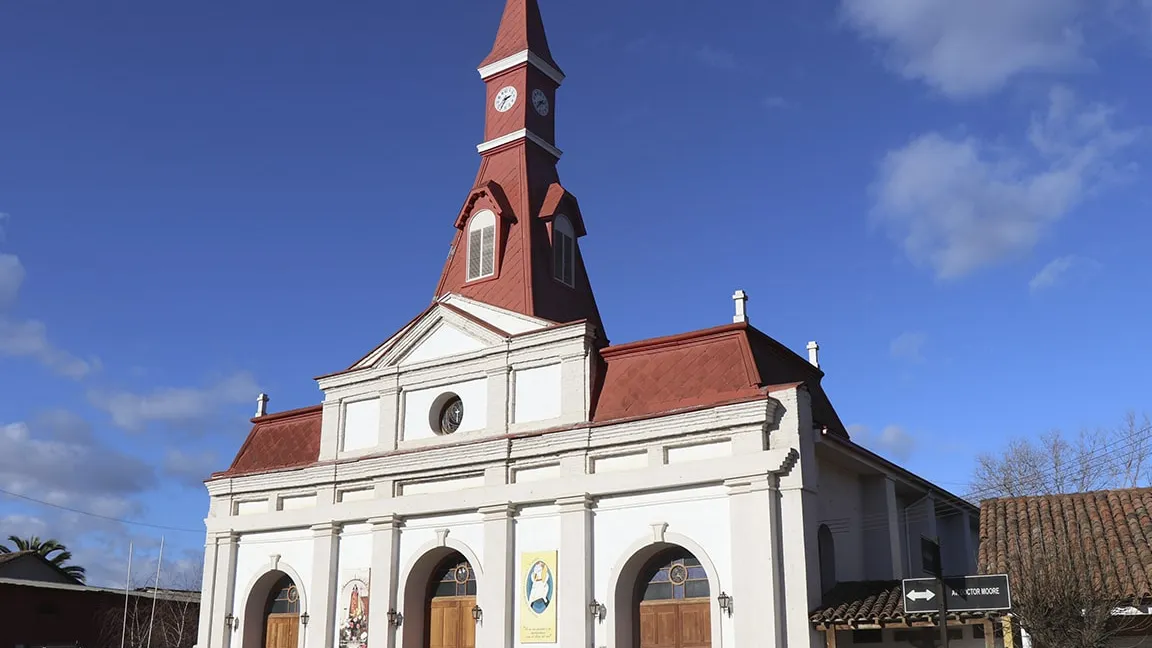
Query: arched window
x=283 y=599
x=827 y=550
x=674 y=575
x=563 y=251
x=482 y=245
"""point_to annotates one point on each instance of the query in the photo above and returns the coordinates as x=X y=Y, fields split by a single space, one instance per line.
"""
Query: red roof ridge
x=1100 y=492
x=279 y=416
x=657 y=343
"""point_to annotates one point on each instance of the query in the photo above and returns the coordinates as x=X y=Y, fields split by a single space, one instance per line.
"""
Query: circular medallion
x=678 y=574
x=451 y=415
x=293 y=595
x=460 y=575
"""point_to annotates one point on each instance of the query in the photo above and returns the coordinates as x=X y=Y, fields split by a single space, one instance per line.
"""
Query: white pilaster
x=499 y=403
x=895 y=536
x=574 y=623
x=574 y=387
x=207 y=590
x=330 y=430
x=388 y=434
x=320 y=632
x=224 y=589
x=384 y=579
x=496 y=589
x=757 y=605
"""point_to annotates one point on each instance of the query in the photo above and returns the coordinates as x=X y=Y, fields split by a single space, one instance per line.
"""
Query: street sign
x=965 y=594
x=930 y=556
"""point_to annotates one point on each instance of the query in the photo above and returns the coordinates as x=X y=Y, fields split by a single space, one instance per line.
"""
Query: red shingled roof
x=521 y=28
x=1109 y=532
x=277 y=441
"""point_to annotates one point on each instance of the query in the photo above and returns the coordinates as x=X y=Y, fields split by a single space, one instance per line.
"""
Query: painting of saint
x=539 y=587
x=354 y=626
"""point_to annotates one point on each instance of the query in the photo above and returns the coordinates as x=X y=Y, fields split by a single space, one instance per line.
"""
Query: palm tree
x=50 y=549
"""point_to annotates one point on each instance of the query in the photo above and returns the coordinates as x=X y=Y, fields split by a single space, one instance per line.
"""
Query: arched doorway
x=273 y=619
x=673 y=602
x=451 y=595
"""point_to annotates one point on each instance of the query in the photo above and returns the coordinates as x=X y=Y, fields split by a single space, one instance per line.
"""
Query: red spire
x=521 y=29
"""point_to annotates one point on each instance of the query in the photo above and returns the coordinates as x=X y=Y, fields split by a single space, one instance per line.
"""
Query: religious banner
x=352 y=606
x=538 y=599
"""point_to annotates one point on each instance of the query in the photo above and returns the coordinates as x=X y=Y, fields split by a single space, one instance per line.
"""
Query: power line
x=97 y=515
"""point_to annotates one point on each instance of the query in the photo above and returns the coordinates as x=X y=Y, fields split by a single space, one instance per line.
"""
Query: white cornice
x=520 y=58
x=523 y=133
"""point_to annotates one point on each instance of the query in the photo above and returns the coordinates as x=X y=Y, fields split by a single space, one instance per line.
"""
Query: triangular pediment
x=452 y=327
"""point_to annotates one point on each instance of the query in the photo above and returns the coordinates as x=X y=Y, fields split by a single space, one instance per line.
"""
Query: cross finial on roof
x=741 y=299
x=262 y=405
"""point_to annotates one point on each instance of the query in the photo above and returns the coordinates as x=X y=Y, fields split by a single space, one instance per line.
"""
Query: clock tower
x=516 y=241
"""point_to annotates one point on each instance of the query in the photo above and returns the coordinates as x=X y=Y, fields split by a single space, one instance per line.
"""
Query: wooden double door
x=676 y=624
x=282 y=631
x=450 y=623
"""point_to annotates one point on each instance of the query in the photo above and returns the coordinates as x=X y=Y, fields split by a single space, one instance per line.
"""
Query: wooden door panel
x=695 y=624
x=450 y=623
x=282 y=631
x=676 y=624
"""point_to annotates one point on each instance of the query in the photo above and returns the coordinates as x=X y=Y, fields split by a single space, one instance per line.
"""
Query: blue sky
x=205 y=200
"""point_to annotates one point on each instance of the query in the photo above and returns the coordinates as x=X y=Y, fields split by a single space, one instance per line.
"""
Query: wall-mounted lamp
x=230 y=621
x=597 y=610
x=395 y=618
x=477 y=614
x=725 y=602
x=304 y=618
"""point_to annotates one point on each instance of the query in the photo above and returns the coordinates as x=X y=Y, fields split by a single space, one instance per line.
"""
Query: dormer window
x=563 y=251
x=482 y=245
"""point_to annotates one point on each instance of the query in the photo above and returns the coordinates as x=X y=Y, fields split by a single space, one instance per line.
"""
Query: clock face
x=505 y=99
x=540 y=102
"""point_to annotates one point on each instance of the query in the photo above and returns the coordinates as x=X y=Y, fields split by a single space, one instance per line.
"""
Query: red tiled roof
x=278 y=441
x=1107 y=532
x=878 y=602
x=713 y=366
x=521 y=28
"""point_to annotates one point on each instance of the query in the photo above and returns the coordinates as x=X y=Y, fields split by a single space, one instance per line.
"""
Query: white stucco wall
x=254 y=559
x=418 y=408
x=355 y=555
x=537 y=393
x=840 y=507
x=537 y=529
x=361 y=425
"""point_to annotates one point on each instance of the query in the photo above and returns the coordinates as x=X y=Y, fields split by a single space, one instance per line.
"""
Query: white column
x=388 y=434
x=384 y=579
x=574 y=622
x=799 y=561
x=497 y=588
x=757 y=610
x=207 y=588
x=499 y=402
x=330 y=430
x=895 y=535
x=321 y=600
x=224 y=589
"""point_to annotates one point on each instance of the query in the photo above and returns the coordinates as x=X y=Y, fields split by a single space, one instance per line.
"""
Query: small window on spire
x=482 y=245
x=563 y=251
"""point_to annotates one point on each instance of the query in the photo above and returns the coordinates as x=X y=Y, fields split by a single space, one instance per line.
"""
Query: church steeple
x=516 y=241
x=521 y=30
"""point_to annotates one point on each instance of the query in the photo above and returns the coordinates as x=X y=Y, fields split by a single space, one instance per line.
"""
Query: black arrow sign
x=965 y=594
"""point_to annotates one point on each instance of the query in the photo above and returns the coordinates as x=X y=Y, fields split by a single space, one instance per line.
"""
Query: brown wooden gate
x=282 y=631
x=676 y=624
x=451 y=624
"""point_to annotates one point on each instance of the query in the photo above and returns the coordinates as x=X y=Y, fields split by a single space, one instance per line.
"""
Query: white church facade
x=498 y=474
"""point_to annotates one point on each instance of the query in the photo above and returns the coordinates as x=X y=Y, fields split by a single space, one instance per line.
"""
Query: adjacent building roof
x=1109 y=533
x=32 y=566
x=858 y=604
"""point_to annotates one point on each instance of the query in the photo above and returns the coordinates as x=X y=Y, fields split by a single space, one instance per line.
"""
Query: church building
x=497 y=473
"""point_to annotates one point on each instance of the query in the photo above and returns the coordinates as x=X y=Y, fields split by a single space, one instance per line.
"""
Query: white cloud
x=1060 y=270
x=11 y=278
x=959 y=204
x=717 y=58
x=893 y=441
x=970 y=48
x=909 y=346
x=29 y=339
x=57 y=459
x=180 y=405
x=190 y=468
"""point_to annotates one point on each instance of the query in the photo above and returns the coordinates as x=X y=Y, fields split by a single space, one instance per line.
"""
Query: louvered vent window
x=482 y=245
x=563 y=251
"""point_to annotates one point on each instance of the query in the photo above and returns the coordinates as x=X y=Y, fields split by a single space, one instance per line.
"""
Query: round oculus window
x=451 y=415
